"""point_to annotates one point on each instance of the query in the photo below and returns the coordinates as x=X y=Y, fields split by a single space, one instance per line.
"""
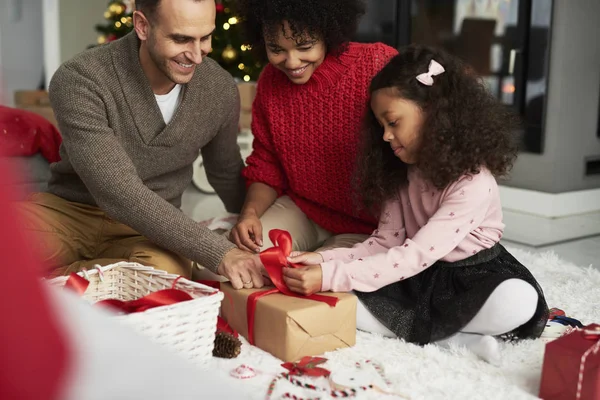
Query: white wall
x=69 y=29
x=78 y=18
x=21 y=48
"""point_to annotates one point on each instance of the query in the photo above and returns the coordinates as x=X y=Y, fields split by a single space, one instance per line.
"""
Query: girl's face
x=297 y=57
x=401 y=121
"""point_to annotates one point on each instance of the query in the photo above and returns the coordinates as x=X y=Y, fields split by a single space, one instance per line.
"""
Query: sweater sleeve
x=263 y=165
x=388 y=234
x=461 y=211
x=223 y=162
x=108 y=172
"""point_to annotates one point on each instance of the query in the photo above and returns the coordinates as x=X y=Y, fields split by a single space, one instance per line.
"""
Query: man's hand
x=247 y=233
x=304 y=280
x=243 y=269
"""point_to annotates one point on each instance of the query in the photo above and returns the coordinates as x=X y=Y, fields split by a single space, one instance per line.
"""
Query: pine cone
x=226 y=345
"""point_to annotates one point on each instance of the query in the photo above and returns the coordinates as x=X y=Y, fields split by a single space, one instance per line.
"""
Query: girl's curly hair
x=465 y=127
x=333 y=21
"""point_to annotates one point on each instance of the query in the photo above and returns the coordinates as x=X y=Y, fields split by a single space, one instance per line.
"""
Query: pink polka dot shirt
x=422 y=226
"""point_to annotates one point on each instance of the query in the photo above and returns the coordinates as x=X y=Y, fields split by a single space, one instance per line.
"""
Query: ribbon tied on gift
x=275 y=259
x=593 y=335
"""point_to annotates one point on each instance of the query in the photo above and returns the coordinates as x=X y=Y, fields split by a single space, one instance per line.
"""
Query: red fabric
x=305 y=136
x=32 y=349
x=562 y=364
x=24 y=133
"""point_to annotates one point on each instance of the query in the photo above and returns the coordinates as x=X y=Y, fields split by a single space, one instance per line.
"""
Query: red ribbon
x=77 y=284
x=307 y=366
x=161 y=298
x=275 y=259
x=589 y=334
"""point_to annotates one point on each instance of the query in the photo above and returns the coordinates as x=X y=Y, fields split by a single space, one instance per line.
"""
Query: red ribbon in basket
x=275 y=259
x=163 y=297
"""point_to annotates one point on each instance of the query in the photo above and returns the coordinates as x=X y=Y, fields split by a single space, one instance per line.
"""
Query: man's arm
x=107 y=171
x=223 y=162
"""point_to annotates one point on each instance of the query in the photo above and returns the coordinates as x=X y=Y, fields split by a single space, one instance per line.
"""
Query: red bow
x=307 y=366
x=275 y=259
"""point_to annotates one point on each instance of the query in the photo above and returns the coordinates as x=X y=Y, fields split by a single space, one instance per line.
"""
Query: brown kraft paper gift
x=289 y=327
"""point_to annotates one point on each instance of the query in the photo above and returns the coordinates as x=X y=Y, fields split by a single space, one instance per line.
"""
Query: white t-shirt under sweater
x=169 y=102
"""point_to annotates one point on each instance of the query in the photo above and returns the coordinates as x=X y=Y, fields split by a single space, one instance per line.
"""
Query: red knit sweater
x=306 y=136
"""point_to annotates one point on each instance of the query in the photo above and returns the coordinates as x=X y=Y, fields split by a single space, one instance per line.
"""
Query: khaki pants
x=306 y=234
x=71 y=236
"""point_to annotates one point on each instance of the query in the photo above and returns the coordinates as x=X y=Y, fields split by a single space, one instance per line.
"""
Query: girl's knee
x=516 y=301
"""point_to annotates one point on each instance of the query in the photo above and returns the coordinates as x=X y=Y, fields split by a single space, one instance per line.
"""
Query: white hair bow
x=434 y=69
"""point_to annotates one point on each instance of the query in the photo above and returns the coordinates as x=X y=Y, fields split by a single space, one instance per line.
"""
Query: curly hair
x=333 y=21
x=465 y=127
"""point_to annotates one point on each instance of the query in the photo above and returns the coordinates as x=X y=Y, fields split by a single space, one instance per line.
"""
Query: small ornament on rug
x=243 y=372
x=307 y=366
x=226 y=345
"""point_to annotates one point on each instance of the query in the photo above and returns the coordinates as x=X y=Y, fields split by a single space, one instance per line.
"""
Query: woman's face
x=297 y=57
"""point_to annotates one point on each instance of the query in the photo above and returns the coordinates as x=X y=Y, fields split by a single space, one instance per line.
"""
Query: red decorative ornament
x=243 y=372
x=220 y=8
x=307 y=366
x=111 y=37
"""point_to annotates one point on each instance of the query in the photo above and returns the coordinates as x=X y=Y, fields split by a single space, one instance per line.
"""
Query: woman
x=310 y=101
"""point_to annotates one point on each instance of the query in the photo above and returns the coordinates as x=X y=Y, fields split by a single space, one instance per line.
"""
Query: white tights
x=509 y=306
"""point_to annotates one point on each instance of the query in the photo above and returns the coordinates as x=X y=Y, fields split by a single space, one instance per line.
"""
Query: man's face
x=179 y=36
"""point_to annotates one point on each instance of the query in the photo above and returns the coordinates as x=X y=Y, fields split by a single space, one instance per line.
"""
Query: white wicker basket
x=187 y=327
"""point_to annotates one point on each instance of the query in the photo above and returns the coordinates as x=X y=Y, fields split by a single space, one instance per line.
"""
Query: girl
x=310 y=100
x=434 y=270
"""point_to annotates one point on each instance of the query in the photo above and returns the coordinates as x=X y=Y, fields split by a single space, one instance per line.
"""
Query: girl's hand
x=305 y=257
x=304 y=280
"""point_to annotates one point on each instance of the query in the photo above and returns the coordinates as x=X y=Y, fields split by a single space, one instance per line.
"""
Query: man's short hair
x=148 y=7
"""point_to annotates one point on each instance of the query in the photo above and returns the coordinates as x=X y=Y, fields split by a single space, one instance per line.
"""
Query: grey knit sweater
x=118 y=154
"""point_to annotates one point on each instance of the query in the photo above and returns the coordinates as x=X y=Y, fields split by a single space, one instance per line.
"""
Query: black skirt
x=445 y=297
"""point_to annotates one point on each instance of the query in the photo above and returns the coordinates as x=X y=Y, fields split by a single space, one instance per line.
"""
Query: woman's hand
x=247 y=233
x=304 y=280
x=305 y=257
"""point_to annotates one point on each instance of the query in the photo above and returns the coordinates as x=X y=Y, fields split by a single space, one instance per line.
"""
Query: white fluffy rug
x=433 y=373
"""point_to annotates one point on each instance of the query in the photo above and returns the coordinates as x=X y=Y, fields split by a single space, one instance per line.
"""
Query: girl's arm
x=462 y=210
x=389 y=233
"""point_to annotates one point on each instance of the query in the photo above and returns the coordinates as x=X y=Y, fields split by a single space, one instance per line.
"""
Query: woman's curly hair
x=465 y=127
x=333 y=21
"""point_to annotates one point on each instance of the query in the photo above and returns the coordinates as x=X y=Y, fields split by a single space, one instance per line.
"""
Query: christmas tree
x=119 y=21
x=228 y=46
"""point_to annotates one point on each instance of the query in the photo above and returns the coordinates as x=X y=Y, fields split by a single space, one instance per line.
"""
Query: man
x=134 y=115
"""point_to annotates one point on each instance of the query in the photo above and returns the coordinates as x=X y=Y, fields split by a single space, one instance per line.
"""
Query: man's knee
x=162 y=259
